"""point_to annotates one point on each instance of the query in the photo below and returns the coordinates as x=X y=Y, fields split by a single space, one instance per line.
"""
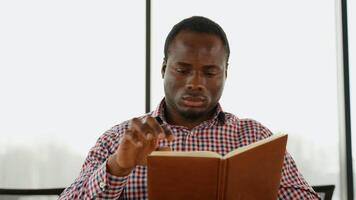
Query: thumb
x=163 y=149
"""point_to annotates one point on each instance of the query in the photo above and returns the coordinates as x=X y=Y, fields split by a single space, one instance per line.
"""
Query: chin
x=193 y=114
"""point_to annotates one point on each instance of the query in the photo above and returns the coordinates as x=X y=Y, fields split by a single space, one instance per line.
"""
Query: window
x=69 y=71
x=282 y=71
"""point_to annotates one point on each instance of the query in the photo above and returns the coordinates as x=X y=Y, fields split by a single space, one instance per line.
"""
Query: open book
x=249 y=172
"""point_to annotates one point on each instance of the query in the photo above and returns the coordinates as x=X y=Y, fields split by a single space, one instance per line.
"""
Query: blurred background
x=70 y=70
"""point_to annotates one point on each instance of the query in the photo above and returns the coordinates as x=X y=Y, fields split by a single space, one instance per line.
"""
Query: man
x=189 y=118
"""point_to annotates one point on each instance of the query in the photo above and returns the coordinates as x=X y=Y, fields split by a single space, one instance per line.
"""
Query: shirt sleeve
x=293 y=185
x=94 y=182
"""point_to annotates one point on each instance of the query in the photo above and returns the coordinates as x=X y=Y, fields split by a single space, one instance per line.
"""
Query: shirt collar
x=158 y=113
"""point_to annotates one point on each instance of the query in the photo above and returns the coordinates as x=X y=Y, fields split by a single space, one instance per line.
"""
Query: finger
x=158 y=132
x=135 y=124
x=141 y=129
x=154 y=126
x=168 y=133
x=165 y=148
x=133 y=138
x=147 y=130
x=151 y=137
x=144 y=133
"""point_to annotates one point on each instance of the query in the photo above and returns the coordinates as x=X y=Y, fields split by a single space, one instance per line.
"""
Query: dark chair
x=324 y=191
x=17 y=193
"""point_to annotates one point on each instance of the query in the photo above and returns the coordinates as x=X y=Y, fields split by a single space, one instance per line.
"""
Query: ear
x=164 y=66
x=226 y=67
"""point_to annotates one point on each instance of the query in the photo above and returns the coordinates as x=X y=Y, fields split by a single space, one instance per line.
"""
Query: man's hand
x=140 y=139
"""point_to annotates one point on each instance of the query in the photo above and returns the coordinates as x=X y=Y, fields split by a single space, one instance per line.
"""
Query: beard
x=192 y=115
x=195 y=115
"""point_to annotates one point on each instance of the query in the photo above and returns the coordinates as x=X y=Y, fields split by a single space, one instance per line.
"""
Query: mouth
x=193 y=101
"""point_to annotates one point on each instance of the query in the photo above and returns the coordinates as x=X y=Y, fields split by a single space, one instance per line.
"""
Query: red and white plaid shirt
x=222 y=134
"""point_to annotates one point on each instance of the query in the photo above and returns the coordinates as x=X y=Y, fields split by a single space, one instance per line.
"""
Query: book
x=250 y=172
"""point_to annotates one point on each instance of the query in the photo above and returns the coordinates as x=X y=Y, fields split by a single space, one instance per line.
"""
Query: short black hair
x=197 y=24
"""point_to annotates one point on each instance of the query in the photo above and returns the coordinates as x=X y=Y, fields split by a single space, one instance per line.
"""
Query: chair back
x=15 y=194
x=324 y=191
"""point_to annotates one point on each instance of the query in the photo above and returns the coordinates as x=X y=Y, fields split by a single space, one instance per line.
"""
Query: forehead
x=197 y=46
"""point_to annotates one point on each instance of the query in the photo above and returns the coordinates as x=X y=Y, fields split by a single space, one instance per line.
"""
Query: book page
x=206 y=154
x=253 y=145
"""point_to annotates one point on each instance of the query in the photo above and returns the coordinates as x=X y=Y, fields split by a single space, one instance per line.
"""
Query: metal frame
x=347 y=106
x=30 y=192
x=148 y=56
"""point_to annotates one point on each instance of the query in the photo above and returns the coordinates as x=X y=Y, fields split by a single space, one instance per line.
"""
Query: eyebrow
x=205 y=66
x=184 y=64
x=211 y=66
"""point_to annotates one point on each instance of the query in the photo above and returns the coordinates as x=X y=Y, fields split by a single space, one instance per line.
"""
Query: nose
x=195 y=81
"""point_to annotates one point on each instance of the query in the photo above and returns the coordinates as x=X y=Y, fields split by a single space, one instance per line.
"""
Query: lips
x=193 y=101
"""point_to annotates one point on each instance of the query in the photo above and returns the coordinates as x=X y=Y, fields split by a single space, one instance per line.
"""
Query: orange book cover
x=250 y=172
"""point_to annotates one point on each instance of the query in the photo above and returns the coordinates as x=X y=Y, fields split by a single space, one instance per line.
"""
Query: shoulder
x=248 y=126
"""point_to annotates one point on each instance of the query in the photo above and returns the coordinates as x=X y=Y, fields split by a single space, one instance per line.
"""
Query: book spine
x=221 y=179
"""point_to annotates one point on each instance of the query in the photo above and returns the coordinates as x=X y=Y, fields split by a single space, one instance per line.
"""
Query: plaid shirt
x=222 y=134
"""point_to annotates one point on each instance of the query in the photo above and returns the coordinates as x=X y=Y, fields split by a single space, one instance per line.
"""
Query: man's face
x=194 y=74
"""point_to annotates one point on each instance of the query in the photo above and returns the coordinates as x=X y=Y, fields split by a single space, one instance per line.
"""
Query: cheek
x=217 y=88
x=173 y=82
x=171 y=85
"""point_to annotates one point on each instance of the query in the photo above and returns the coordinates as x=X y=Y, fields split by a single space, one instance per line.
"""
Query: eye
x=182 y=70
x=210 y=73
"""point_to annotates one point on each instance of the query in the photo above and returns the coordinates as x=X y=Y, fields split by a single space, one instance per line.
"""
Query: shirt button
x=102 y=185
